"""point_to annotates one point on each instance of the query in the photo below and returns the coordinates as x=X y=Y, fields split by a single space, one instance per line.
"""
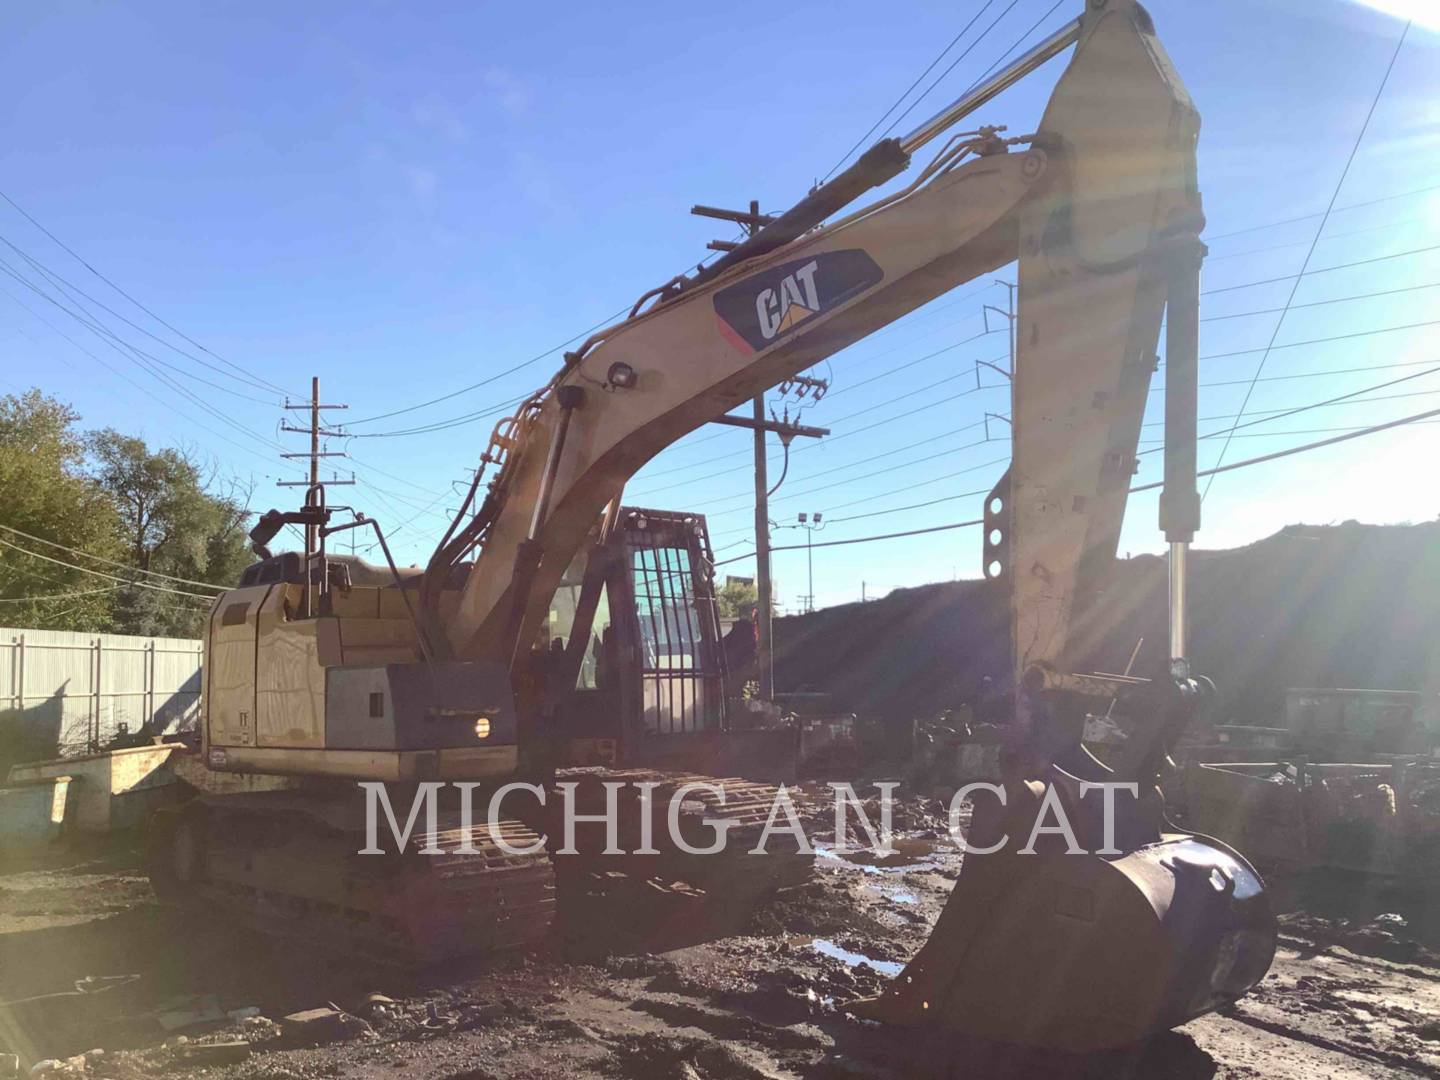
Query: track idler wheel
x=175 y=850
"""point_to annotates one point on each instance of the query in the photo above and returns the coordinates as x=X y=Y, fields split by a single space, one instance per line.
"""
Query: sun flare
x=1424 y=13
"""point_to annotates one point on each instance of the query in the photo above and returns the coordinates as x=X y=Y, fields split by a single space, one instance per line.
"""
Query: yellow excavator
x=329 y=672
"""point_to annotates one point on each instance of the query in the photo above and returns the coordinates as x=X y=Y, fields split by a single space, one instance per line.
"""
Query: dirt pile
x=1345 y=605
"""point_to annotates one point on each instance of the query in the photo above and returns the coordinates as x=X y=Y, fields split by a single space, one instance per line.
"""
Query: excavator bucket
x=1075 y=948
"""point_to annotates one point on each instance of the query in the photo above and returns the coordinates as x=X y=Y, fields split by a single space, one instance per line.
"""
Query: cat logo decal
x=767 y=307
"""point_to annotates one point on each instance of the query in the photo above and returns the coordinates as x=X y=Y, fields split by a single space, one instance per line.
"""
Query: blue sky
x=407 y=199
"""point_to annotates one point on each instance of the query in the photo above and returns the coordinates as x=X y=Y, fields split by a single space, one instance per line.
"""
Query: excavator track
x=289 y=867
x=287 y=864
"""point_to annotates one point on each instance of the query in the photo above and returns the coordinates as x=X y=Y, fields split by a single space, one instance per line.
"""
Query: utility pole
x=314 y=452
x=764 y=600
x=752 y=221
x=809 y=570
x=313 y=486
x=764 y=589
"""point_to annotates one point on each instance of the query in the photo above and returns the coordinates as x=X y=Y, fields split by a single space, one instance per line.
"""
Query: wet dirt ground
x=1354 y=991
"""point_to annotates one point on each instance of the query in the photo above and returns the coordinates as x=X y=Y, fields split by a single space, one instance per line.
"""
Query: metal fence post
x=149 y=685
x=20 y=673
x=94 y=739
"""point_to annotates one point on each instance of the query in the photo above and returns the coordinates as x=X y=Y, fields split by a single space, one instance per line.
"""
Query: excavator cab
x=637 y=664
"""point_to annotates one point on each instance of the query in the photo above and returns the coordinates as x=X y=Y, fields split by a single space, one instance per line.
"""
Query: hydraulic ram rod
x=883 y=161
x=1180 y=500
x=1002 y=80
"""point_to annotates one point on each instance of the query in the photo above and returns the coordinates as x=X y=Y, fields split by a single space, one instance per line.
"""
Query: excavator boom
x=671 y=369
x=1090 y=207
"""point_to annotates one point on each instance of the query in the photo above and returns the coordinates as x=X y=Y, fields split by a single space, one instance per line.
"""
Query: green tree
x=171 y=522
x=45 y=493
x=736 y=599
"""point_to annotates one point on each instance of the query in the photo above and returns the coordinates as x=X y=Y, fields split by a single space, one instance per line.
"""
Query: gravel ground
x=1354 y=992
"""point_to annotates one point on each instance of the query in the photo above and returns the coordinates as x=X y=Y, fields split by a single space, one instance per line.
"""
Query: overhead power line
x=856 y=540
x=1211 y=318
x=1214 y=383
x=440 y=425
x=869 y=499
x=966 y=374
x=481 y=414
x=912 y=506
x=1210 y=356
x=1271 y=347
x=1211 y=260
x=1289 y=451
x=1349 y=398
x=500 y=407
x=1015 y=45
x=101 y=573
x=488 y=380
x=953 y=64
x=1322 y=270
x=140 y=357
x=1288 y=432
x=1312 y=374
x=147 y=391
x=59 y=596
x=1324 y=303
x=110 y=562
x=59 y=280
x=1310 y=253
x=868 y=427
x=1209 y=237
x=82 y=261
x=1247 y=463
x=143 y=359
x=493 y=410
x=1337 y=400
x=908 y=91
x=983 y=34
x=137 y=357
x=115 y=341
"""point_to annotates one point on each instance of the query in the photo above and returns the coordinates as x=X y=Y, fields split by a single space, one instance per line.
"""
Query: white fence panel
x=70 y=693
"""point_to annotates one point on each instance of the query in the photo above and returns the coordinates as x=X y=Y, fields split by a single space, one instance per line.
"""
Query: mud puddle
x=898 y=896
x=904 y=855
x=827 y=947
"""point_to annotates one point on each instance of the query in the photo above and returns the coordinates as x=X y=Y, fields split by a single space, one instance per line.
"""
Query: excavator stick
x=1093 y=933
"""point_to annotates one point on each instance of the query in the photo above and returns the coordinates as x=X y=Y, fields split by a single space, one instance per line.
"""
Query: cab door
x=674 y=623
